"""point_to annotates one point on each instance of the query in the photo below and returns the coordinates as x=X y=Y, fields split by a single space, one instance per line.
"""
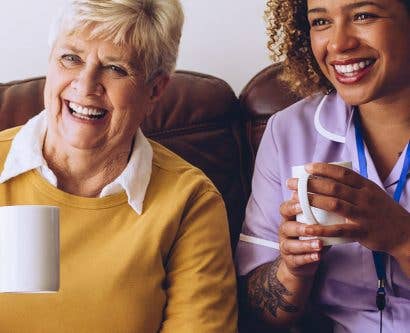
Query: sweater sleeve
x=201 y=283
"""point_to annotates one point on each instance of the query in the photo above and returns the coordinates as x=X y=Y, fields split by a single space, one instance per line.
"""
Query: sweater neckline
x=72 y=200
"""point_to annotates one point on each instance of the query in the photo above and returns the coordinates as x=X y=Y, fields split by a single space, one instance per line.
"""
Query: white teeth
x=351 y=68
x=86 y=111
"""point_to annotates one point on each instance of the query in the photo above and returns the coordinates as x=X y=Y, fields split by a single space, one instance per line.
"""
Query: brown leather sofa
x=201 y=119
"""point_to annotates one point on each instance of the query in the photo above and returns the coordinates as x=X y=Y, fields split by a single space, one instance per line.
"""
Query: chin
x=356 y=95
x=84 y=143
x=353 y=99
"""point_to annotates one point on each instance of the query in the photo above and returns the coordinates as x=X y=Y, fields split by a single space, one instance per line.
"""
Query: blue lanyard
x=379 y=258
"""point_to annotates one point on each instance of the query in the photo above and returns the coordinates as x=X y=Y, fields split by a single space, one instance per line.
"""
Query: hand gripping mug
x=313 y=215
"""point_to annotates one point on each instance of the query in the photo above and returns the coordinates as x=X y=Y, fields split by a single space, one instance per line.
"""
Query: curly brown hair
x=289 y=42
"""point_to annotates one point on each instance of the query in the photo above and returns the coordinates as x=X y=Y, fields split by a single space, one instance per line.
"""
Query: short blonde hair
x=152 y=27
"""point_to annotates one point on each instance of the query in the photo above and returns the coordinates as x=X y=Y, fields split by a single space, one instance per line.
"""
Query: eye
x=319 y=22
x=364 y=16
x=117 y=70
x=70 y=59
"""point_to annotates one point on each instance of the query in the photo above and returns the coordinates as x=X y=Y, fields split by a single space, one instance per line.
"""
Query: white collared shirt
x=26 y=154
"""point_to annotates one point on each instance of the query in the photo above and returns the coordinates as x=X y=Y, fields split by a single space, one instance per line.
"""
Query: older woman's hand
x=373 y=218
x=301 y=257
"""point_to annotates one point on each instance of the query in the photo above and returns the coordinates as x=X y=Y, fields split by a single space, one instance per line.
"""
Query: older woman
x=144 y=239
x=359 y=52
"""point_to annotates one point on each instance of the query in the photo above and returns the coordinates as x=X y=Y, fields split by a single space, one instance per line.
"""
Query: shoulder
x=308 y=117
x=301 y=112
x=169 y=168
x=6 y=138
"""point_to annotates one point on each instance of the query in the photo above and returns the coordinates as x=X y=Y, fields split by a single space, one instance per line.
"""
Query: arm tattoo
x=266 y=292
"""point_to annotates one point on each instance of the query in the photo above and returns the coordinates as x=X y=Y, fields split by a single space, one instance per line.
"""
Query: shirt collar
x=333 y=118
x=26 y=154
x=334 y=121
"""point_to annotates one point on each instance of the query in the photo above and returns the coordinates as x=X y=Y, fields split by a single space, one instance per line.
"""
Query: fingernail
x=314 y=244
x=309 y=167
x=290 y=183
x=314 y=256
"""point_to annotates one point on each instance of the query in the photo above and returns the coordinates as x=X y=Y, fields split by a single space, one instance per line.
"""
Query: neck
x=389 y=113
x=84 y=172
x=386 y=130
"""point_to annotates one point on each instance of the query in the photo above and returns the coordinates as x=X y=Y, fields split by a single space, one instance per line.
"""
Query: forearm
x=275 y=295
x=402 y=252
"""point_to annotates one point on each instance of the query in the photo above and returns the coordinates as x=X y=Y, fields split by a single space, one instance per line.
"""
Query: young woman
x=357 y=52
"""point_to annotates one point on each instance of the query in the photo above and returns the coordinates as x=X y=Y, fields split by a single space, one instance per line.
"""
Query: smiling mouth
x=353 y=69
x=84 y=112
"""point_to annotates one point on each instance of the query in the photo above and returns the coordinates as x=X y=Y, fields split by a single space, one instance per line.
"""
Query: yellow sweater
x=167 y=270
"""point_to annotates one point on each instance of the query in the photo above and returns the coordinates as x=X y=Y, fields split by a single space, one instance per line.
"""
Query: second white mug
x=29 y=249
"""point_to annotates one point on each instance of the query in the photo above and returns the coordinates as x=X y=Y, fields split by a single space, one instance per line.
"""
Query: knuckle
x=307 y=246
x=282 y=207
x=351 y=211
x=371 y=199
x=354 y=196
x=344 y=172
x=282 y=229
x=320 y=167
x=333 y=204
x=289 y=261
x=307 y=258
x=282 y=247
x=336 y=188
x=338 y=231
x=293 y=261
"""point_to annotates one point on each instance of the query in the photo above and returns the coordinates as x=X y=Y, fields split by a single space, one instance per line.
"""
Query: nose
x=342 y=39
x=87 y=83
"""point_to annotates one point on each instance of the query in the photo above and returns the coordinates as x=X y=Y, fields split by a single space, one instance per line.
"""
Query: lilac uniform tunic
x=347 y=281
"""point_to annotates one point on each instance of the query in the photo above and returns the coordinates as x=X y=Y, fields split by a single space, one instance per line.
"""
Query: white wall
x=225 y=38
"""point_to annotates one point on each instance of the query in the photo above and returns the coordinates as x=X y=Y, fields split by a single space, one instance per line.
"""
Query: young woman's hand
x=299 y=257
x=373 y=218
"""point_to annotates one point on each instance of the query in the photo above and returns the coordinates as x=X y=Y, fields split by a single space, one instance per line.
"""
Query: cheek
x=318 y=49
x=132 y=100
x=49 y=91
x=53 y=91
x=46 y=94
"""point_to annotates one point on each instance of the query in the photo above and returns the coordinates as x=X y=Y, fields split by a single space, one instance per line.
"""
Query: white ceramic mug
x=313 y=215
x=29 y=249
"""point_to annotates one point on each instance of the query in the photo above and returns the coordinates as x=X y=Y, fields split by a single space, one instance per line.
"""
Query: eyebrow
x=348 y=6
x=116 y=59
x=72 y=47
x=128 y=63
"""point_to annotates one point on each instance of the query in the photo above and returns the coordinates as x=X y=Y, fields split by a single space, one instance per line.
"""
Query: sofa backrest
x=198 y=118
x=263 y=96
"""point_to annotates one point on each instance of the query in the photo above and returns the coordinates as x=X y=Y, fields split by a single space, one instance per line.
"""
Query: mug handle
x=304 y=200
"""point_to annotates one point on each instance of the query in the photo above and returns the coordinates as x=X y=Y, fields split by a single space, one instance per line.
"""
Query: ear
x=158 y=85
